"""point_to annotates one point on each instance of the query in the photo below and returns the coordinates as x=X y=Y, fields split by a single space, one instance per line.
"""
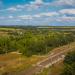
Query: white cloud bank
x=67 y=11
x=63 y=2
x=12 y=9
x=40 y=15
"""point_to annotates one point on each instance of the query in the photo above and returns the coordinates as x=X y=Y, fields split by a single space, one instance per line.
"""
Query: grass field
x=14 y=62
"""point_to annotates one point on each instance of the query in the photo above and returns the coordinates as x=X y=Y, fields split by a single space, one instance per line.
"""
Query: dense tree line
x=34 y=42
x=69 y=64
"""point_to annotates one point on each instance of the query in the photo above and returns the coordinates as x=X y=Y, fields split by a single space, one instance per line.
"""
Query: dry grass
x=14 y=62
x=57 y=68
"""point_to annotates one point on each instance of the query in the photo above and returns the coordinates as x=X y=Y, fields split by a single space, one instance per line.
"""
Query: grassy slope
x=14 y=62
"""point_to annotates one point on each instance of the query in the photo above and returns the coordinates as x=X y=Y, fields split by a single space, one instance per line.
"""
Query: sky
x=37 y=12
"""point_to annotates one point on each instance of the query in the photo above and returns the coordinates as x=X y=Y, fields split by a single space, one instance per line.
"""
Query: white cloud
x=20 y=6
x=67 y=11
x=40 y=15
x=63 y=2
x=68 y=19
x=10 y=17
x=12 y=9
x=37 y=16
x=65 y=19
x=49 y=14
x=35 y=5
x=69 y=2
x=25 y=17
x=27 y=7
x=6 y=17
x=37 y=2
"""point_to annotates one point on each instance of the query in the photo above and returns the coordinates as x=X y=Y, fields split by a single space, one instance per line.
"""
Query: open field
x=15 y=62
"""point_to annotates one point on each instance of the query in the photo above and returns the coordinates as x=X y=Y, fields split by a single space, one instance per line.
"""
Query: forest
x=31 y=41
x=69 y=64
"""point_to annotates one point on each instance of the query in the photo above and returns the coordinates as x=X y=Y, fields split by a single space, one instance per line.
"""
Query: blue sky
x=37 y=12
